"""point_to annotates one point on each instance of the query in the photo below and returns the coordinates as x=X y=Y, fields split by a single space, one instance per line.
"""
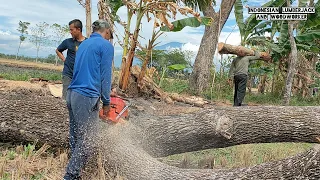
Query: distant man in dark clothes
x=239 y=73
x=91 y=81
x=70 y=44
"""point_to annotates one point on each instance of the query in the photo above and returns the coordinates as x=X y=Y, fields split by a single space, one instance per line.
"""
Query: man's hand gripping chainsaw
x=118 y=110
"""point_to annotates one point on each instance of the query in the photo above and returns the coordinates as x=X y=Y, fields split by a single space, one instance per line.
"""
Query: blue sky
x=62 y=11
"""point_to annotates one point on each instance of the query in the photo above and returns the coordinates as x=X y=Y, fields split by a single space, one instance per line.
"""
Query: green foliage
x=6 y=176
x=251 y=25
x=177 y=67
x=313 y=21
x=191 y=21
x=162 y=59
x=23 y=29
x=11 y=155
x=114 y=6
x=24 y=74
x=175 y=85
x=39 y=36
x=28 y=150
x=60 y=32
x=239 y=156
x=37 y=176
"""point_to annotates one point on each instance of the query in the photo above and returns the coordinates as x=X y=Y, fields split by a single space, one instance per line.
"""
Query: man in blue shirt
x=70 y=44
x=91 y=81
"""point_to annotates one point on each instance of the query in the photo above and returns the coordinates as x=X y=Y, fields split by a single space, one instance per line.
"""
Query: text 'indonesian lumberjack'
x=281 y=13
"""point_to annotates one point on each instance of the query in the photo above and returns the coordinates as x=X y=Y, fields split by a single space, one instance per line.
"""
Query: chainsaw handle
x=125 y=108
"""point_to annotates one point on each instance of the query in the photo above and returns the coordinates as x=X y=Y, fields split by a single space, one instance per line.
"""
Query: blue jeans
x=83 y=115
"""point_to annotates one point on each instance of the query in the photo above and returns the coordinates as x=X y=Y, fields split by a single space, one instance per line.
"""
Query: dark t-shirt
x=72 y=46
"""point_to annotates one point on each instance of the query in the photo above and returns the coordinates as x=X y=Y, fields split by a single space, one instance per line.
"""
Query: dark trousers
x=240 y=84
x=83 y=115
x=66 y=80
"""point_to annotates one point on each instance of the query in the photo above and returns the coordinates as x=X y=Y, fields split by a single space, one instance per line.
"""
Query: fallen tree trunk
x=240 y=51
x=131 y=148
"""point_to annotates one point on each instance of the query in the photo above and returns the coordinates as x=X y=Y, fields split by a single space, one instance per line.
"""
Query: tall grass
x=237 y=156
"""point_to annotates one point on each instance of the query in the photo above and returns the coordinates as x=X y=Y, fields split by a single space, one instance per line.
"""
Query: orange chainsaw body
x=116 y=106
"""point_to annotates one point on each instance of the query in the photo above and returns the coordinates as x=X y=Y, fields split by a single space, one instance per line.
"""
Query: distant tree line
x=42 y=35
x=51 y=58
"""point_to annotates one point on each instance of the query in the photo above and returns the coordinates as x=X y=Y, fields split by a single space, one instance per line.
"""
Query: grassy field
x=237 y=156
x=28 y=64
x=16 y=73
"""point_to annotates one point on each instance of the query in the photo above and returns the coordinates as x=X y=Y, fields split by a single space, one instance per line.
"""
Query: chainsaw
x=118 y=110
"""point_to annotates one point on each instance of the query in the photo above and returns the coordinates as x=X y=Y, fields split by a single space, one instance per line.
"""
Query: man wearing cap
x=91 y=81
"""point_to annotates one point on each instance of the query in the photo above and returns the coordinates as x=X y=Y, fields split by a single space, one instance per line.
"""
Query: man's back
x=240 y=64
x=92 y=65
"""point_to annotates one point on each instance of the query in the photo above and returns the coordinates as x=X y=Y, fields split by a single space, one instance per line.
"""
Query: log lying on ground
x=131 y=148
x=240 y=51
x=149 y=87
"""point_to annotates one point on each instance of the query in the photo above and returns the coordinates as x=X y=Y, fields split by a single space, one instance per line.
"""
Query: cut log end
x=220 y=46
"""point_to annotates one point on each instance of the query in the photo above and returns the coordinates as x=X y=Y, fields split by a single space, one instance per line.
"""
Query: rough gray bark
x=88 y=18
x=31 y=116
x=293 y=58
x=131 y=148
x=201 y=68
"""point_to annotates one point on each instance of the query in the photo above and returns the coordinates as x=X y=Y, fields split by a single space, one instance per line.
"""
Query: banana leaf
x=238 y=12
x=191 y=22
x=309 y=36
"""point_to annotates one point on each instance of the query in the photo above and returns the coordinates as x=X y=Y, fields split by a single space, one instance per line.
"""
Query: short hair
x=100 y=25
x=77 y=23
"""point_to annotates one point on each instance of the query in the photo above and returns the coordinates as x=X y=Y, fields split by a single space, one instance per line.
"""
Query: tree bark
x=132 y=147
x=199 y=79
x=292 y=65
x=262 y=86
x=88 y=18
x=18 y=49
x=240 y=51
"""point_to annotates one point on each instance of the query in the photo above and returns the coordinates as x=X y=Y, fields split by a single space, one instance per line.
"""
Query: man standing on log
x=70 y=44
x=239 y=73
x=91 y=80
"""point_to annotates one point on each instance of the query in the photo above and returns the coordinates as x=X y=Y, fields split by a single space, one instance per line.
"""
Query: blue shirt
x=71 y=45
x=93 y=68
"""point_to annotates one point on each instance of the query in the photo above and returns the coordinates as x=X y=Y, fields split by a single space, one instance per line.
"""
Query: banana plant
x=177 y=67
x=178 y=25
x=251 y=26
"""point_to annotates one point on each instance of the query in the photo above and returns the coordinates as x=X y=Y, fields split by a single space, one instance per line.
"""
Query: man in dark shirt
x=70 y=44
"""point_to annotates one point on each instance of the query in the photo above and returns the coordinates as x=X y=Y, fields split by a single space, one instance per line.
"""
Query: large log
x=132 y=148
x=240 y=51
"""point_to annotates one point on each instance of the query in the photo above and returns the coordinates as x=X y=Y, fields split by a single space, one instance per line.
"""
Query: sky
x=62 y=11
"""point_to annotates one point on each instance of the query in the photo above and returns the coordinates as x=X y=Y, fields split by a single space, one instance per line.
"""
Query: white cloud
x=5 y=33
x=190 y=47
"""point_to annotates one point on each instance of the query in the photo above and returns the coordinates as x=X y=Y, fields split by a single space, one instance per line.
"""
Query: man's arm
x=62 y=47
x=60 y=55
x=231 y=69
x=106 y=73
x=255 y=57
